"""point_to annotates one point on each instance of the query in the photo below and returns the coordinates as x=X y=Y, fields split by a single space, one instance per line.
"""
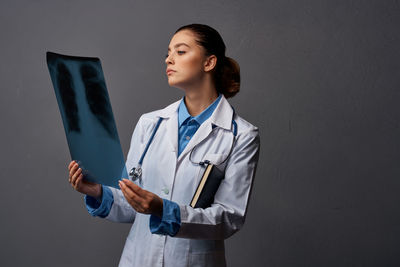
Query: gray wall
x=320 y=79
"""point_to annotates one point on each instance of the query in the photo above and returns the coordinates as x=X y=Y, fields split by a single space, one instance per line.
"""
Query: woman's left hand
x=141 y=200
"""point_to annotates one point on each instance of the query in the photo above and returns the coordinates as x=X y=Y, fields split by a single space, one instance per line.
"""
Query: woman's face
x=186 y=60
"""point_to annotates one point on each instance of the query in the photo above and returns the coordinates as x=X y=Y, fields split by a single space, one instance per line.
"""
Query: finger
x=73 y=169
x=141 y=203
x=125 y=189
x=71 y=164
x=75 y=176
x=143 y=195
x=130 y=194
x=78 y=181
x=134 y=187
x=131 y=202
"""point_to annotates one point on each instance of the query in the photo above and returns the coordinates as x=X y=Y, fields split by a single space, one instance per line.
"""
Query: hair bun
x=228 y=82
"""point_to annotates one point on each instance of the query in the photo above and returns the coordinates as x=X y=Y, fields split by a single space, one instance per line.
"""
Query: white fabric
x=200 y=240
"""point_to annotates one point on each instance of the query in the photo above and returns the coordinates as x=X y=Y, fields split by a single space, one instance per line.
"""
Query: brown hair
x=227 y=72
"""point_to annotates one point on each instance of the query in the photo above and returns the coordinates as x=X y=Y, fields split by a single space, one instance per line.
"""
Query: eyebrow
x=169 y=49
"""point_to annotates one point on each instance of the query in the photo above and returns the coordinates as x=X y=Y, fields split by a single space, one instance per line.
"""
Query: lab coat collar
x=222 y=115
x=168 y=111
x=183 y=113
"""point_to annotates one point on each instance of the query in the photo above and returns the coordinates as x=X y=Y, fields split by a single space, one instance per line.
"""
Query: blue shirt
x=188 y=125
x=170 y=222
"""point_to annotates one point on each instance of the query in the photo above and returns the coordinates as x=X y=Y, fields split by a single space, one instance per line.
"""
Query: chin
x=173 y=83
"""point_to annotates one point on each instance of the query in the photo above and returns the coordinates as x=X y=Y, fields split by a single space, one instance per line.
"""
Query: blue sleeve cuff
x=101 y=209
x=170 y=222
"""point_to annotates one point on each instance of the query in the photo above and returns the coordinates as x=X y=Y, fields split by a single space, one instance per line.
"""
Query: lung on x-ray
x=87 y=116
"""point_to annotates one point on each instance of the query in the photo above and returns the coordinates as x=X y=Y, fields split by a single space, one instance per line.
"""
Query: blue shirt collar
x=183 y=113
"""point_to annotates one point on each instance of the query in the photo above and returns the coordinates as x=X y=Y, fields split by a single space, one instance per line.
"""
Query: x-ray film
x=87 y=116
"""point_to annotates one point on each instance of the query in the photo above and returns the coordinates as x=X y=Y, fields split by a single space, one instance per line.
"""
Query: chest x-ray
x=87 y=116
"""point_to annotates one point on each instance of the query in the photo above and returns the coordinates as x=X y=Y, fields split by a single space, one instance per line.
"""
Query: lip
x=169 y=71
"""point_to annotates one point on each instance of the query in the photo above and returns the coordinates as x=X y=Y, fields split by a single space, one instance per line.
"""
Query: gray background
x=319 y=78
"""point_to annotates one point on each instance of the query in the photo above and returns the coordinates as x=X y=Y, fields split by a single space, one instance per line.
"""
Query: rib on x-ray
x=96 y=95
x=87 y=116
x=68 y=97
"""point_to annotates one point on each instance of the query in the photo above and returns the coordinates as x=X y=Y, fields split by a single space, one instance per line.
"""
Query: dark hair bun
x=228 y=78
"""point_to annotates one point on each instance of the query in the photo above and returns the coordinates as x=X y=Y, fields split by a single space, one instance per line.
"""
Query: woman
x=166 y=230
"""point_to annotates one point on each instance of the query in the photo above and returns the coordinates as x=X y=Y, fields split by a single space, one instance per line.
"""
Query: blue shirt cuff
x=101 y=209
x=170 y=222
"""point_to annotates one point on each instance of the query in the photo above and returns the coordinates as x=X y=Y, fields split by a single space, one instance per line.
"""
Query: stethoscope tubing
x=136 y=172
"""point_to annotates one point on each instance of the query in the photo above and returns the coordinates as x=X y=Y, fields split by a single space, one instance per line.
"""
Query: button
x=187 y=137
x=166 y=191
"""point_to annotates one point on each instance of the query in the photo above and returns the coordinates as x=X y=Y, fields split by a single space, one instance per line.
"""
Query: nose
x=169 y=59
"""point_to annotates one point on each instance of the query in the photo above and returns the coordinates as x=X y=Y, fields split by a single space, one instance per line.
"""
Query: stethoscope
x=136 y=172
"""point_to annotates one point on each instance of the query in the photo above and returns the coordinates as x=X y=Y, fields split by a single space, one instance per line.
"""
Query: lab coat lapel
x=172 y=132
x=201 y=133
x=170 y=115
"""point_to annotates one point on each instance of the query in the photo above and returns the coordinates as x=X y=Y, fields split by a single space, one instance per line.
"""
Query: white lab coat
x=200 y=239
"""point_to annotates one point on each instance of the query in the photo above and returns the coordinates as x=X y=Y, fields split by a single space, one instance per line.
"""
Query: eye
x=179 y=52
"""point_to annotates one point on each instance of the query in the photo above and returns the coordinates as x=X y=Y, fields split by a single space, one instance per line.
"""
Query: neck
x=198 y=100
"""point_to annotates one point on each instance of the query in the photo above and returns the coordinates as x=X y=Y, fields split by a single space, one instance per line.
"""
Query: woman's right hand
x=80 y=185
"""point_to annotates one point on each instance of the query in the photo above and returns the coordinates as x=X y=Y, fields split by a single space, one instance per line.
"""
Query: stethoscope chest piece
x=135 y=173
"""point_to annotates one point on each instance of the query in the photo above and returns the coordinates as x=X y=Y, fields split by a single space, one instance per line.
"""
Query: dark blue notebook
x=207 y=187
x=87 y=116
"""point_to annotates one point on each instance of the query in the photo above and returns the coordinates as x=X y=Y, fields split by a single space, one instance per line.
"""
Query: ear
x=210 y=63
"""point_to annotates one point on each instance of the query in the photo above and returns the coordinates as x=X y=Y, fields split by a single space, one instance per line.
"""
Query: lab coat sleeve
x=121 y=211
x=227 y=214
x=113 y=206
